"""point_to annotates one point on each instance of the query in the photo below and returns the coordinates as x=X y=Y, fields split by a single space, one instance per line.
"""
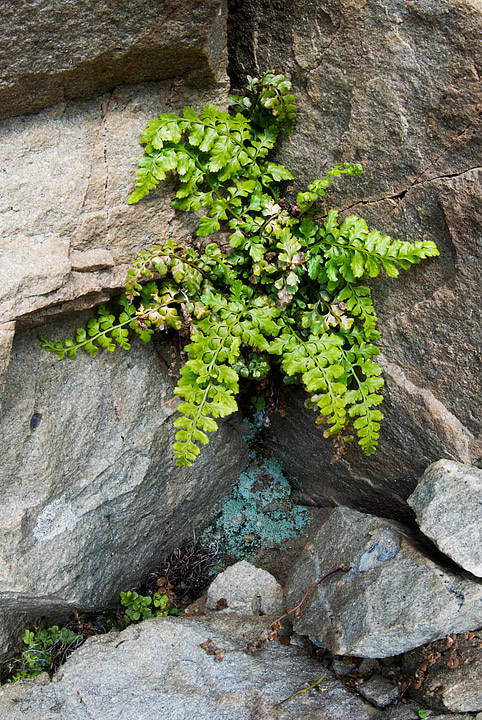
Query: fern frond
x=315 y=359
x=352 y=253
x=208 y=384
x=267 y=102
x=103 y=331
x=317 y=188
x=363 y=396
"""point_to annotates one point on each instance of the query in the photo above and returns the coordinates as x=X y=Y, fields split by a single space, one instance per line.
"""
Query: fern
x=290 y=291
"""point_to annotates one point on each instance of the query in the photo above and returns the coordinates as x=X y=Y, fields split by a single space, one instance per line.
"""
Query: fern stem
x=92 y=339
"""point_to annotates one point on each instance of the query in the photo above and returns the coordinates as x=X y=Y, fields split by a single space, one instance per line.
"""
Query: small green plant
x=140 y=607
x=290 y=290
x=422 y=714
x=44 y=650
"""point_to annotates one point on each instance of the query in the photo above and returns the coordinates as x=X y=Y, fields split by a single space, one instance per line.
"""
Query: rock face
x=451 y=680
x=246 y=590
x=68 y=233
x=55 y=51
x=158 y=669
x=448 y=505
x=91 y=493
x=392 y=599
x=395 y=86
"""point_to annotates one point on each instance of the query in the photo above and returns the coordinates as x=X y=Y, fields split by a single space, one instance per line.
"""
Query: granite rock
x=54 y=50
x=91 y=493
x=378 y=691
x=246 y=590
x=158 y=669
x=448 y=504
x=68 y=235
x=450 y=681
x=392 y=599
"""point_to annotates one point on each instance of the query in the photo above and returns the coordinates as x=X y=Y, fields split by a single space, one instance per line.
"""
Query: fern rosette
x=289 y=290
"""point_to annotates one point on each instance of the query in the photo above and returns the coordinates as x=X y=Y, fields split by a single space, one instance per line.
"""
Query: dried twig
x=270 y=633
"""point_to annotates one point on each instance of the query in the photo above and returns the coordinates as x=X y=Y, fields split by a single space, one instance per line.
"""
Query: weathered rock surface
x=379 y=691
x=68 y=234
x=451 y=680
x=395 y=86
x=246 y=590
x=448 y=505
x=91 y=495
x=393 y=598
x=55 y=51
x=90 y=492
x=158 y=669
x=7 y=332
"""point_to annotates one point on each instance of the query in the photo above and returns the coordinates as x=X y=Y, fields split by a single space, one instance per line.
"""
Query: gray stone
x=448 y=505
x=91 y=494
x=378 y=691
x=341 y=668
x=452 y=683
x=394 y=85
x=246 y=590
x=7 y=332
x=451 y=716
x=405 y=711
x=55 y=51
x=68 y=234
x=409 y=711
x=392 y=599
x=158 y=669
x=368 y=665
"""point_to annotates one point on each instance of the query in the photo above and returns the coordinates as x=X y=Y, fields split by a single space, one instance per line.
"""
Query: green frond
x=288 y=286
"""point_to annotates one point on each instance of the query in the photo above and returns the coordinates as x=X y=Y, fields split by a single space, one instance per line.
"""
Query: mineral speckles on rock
x=448 y=505
x=246 y=590
x=55 y=519
x=392 y=599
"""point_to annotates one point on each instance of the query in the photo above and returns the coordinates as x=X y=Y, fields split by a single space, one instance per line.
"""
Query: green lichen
x=259 y=513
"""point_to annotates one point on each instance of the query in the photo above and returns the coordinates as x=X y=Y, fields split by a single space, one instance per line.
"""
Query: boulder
x=448 y=505
x=55 y=51
x=91 y=494
x=395 y=86
x=246 y=590
x=392 y=598
x=446 y=674
x=159 y=669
